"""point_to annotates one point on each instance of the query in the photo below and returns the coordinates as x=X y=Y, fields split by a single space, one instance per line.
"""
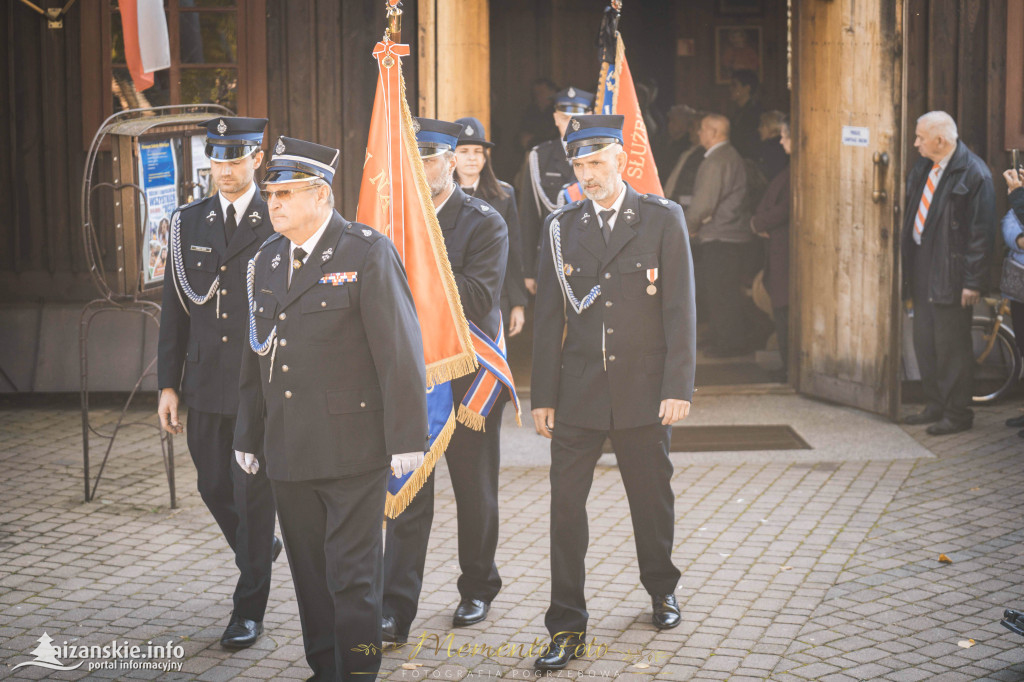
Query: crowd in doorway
x=729 y=170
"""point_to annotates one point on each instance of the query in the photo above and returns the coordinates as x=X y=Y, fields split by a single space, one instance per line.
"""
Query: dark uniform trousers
x=242 y=505
x=476 y=238
x=332 y=533
x=942 y=344
x=642 y=455
x=473 y=459
x=348 y=391
x=199 y=355
x=605 y=372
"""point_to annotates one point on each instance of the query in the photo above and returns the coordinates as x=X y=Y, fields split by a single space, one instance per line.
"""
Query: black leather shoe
x=666 y=611
x=1013 y=620
x=1016 y=422
x=390 y=631
x=278 y=546
x=946 y=427
x=923 y=417
x=469 y=612
x=241 y=633
x=561 y=650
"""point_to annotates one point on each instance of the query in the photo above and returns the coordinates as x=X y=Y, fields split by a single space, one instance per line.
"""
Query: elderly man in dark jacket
x=946 y=243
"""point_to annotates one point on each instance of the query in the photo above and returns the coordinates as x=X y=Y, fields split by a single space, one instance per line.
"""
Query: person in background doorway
x=771 y=222
x=746 y=117
x=1013 y=235
x=475 y=176
x=720 y=224
x=946 y=244
x=771 y=157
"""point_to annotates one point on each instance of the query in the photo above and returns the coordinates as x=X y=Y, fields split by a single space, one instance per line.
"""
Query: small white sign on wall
x=856 y=136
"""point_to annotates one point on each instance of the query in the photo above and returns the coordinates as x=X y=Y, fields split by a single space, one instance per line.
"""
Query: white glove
x=247 y=461
x=406 y=463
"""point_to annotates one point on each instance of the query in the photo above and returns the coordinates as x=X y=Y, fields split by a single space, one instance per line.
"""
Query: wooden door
x=847 y=71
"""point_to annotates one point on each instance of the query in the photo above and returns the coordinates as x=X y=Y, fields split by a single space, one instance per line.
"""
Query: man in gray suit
x=718 y=220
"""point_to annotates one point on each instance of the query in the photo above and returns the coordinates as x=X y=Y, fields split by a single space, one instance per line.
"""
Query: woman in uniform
x=474 y=174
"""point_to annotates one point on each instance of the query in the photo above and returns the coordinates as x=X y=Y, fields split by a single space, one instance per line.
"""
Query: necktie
x=926 y=202
x=606 y=226
x=229 y=223
x=298 y=256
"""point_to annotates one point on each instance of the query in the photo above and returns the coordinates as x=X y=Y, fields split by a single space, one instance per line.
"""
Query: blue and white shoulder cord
x=179 y=271
x=270 y=345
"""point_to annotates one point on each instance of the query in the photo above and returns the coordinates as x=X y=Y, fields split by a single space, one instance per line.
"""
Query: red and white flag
x=147 y=47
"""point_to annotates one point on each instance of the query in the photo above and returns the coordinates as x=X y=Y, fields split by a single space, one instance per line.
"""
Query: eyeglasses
x=285 y=194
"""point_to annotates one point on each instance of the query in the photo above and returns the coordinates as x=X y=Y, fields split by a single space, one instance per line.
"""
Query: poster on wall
x=159 y=180
x=202 y=185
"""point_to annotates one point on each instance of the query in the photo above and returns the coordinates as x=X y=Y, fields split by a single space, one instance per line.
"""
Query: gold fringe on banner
x=620 y=52
x=471 y=419
x=396 y=504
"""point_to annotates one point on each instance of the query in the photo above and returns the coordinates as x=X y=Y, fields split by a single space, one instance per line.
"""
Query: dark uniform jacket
x=199 y=352
x=555 y=173
x=476 y=239
x=513 y=291
x=958 y=230
x=649 y=339
x=349 y=387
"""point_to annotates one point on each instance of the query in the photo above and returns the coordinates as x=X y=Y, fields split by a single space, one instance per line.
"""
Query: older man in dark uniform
x=547 y=175
x=476 y=239
x=202 y=327
x=333 y=391
x=616 y=277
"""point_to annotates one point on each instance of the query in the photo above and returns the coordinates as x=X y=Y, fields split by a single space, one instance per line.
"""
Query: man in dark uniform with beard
x=614 y=357
x=547 y=174
x=476 y=239
x=202 y=328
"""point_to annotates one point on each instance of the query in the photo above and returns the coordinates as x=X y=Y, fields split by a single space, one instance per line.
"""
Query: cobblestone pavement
x=792 y=570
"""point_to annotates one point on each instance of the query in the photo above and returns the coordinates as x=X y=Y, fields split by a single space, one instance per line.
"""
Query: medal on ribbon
x=652 y=276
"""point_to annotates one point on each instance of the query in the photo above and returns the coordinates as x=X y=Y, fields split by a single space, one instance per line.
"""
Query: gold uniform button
x=607 y=275
x=224 y=339
x=261 y=309
x=224 y=316
x=223 y=268
x=639 y=265
x=611 y=358
x=284 y=342
x=607 y=304
x=223 y=292
x=362 y=404
x=199 y=263
x=287 y=394
x=284 y=368
x=610 y=330
x=323 y=304
x=281 y=316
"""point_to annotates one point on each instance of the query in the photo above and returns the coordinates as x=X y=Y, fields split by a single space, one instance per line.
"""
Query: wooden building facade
x=306 y=65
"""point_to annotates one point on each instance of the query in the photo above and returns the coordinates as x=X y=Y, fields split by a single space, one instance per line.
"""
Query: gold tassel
x=396 y=504
x=471 y=419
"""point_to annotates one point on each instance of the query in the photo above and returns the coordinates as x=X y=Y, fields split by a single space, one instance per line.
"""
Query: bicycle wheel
x=997 y=373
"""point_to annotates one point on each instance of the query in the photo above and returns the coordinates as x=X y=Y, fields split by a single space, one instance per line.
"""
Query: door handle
x=878 y=194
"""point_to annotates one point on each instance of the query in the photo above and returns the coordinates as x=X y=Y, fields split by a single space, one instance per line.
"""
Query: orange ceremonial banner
x=616 y=95
x=394 y=199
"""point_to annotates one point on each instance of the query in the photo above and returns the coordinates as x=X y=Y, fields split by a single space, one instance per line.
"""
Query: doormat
x=733 y=439
x=733 y=373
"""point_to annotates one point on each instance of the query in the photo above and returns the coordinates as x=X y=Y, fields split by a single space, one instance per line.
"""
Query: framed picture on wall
x=741 y=6
x=737 y=47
